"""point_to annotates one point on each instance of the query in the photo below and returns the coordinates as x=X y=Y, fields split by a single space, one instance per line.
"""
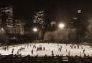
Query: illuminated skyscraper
x=7 y=18
x=80 y=22
x=7 y=21
x=19 y=27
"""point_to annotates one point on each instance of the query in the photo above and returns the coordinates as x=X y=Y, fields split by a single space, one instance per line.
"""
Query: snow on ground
x=49 y=49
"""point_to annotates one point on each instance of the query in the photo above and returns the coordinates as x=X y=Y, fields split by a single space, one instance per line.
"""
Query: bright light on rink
x=61 y=25
x=35 y=29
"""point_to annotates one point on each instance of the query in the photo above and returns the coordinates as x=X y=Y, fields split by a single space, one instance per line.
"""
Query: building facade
x=10 y=27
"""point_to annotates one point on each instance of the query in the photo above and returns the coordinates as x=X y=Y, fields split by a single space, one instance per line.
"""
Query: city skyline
x=60 y=9
x=40 y=14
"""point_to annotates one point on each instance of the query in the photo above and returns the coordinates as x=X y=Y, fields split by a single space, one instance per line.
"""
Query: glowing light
x=35 y=29
x=79 y=11
x=61 y=25
x=2 y=29
x=75 y=18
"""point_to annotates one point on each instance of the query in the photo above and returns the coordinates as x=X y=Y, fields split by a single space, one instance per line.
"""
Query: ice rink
x=47 y=49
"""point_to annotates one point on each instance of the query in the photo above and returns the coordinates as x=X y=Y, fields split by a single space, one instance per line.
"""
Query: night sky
x=55 y=8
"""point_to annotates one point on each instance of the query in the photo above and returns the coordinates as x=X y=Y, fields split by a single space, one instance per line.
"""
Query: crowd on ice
x=47 y=49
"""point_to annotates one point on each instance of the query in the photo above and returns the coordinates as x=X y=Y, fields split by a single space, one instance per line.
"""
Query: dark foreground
x=56 y=59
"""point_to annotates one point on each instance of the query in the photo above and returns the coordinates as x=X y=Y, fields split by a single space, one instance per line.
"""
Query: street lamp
x=61 y=25
x=35 y=29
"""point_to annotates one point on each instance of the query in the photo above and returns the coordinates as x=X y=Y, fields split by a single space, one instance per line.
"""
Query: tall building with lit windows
x=80 y=23
x=6 y=18
x=19 y=27
x=8 y=23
